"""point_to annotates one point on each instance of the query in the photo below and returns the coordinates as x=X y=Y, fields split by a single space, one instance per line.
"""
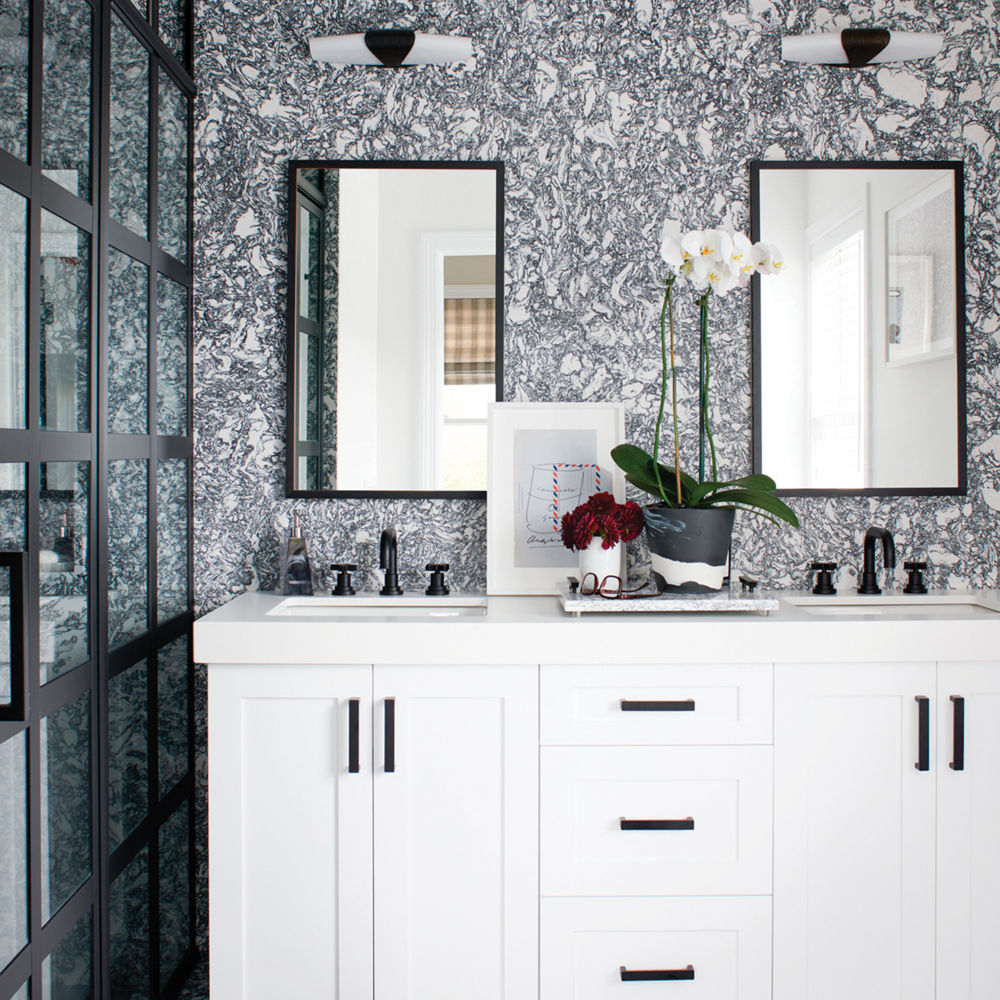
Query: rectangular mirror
x=395 y=334
x=859 y=345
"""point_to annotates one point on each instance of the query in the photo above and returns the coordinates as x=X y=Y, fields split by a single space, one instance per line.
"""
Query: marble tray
x=726 y=600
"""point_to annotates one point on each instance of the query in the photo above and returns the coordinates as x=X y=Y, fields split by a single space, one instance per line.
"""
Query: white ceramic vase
x=600 y=561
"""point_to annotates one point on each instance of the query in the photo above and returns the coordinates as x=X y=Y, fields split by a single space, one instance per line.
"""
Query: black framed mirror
x=395 y=326
x=859 y=345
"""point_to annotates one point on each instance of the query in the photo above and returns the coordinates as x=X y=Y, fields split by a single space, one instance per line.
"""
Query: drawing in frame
x=545 y=459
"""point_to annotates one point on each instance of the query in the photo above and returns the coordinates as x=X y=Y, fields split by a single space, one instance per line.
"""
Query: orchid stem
x=705 y=373
x=673 y=398
x=667 y=304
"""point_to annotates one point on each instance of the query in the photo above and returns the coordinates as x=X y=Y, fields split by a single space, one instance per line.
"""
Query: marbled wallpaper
x=608 y=118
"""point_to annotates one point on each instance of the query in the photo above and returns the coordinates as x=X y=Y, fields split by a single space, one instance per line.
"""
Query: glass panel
x=128 y=531
x=66 y=973
x=172 y=206
x=172 y=701
x=130 y=930
x=66 y=73
x=175 y=888
x=65 y=759
x=128 y=344
x=141 y=6
x=13 y=847
x=13 y=303
x=171 y=357
x=13 y=500
x=310 y=270
x=129 y=153
x=24 y=993
x=172 y=538
x=15 y=22
x=173 y=26
x=128 y=767
x=64 y=601
x=65 y=325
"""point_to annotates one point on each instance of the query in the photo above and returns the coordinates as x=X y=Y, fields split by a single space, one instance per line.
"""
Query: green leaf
x=753 y=498
x=639 y=471
x=757 y=482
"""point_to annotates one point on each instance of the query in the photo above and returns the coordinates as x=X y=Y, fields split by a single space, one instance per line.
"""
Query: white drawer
x=655 y=821
x=725 y=944
x=656 y=705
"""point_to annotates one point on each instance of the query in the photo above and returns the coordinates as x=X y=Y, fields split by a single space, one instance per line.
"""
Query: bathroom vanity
x=505 y=802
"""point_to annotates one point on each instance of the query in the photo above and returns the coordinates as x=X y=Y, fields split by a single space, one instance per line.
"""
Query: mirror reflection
x=859 y=348
x=395 y=346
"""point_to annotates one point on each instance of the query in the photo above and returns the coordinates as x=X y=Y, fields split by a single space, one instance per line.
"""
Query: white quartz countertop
x=537 y=630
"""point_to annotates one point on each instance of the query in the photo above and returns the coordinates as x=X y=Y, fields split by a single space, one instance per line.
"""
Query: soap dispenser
x=295 y=576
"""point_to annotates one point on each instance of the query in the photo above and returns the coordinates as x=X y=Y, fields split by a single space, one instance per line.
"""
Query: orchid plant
x=715 y=262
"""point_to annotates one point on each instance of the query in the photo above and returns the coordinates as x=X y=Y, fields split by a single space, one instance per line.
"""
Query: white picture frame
x=544 y=460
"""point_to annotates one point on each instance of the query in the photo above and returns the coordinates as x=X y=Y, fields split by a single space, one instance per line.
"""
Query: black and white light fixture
x=390 y=48
x=860 y=47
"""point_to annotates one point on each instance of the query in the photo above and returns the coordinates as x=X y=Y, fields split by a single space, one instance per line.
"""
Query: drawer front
x=655 y=821
x=656 y=705
x=695 y=949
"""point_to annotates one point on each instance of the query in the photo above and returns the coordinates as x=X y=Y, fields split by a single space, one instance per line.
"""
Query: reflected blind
x=469 y=341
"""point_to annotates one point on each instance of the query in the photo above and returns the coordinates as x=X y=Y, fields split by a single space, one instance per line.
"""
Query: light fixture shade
x=860 y=47
x=390 y=48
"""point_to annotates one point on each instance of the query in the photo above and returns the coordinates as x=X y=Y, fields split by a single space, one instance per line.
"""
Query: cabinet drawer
x=724 y=944
x=656 y=705
x=655 y=821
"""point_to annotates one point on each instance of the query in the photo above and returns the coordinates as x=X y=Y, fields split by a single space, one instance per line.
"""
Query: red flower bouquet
x=601 y=516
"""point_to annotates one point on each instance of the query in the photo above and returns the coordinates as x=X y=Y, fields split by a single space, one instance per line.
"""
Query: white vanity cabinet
x=392 y=857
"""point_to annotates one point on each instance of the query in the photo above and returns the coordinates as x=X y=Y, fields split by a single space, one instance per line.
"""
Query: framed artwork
x=910 y=307
x=545 y=459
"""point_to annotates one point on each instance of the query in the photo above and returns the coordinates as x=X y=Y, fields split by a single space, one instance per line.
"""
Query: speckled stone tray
x=726 y=600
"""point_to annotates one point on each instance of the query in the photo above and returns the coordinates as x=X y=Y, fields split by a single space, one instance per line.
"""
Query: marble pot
x=688 y=547
x=600 y=561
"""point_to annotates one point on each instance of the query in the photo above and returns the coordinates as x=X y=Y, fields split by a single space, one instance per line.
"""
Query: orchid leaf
x=757 y=482
x=753 y=498
x=639 y=469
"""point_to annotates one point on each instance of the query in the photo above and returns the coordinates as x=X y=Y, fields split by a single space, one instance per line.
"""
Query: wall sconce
x=860 y=46
x=390 y=48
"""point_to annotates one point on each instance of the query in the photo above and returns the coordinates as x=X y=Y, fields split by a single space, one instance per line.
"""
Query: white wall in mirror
x=857 y=341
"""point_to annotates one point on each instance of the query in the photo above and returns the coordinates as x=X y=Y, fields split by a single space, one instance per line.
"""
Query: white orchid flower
x=707 y=244
x=743 y=260
x=714 y=274
x=671 y=250
x=769 y=259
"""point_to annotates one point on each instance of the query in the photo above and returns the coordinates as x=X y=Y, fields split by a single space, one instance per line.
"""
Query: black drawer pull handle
x=657 y=824
x=390 y=735
x=655 y=975
x=924 y=739
x=958 y=733
x=353 y=738
x=657 y=706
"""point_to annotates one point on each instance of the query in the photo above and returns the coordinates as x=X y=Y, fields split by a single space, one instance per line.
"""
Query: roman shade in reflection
x=469 y=341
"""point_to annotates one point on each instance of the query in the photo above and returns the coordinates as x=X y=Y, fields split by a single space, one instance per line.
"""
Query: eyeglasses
x=611 y=587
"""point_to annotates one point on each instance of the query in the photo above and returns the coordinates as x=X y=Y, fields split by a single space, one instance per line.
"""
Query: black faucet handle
x=344 y=571
x=437 y=567
x=436 y=588
x=344 y=567
x=920 y=564
x=824 y=578
x=915 y=576
x=827 y=567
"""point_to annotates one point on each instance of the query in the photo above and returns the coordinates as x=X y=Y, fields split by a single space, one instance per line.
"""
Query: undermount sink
x=894 y=606
x=410 y=606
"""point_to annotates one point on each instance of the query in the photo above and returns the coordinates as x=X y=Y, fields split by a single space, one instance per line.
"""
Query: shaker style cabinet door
x=968 y=776
x=456 y=833
x=854 y=839
x=290 y=834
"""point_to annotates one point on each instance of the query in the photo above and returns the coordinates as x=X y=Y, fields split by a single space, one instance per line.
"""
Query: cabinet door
x=854 y=834
x=456 y=833
x=968 y=774
x=290 y=869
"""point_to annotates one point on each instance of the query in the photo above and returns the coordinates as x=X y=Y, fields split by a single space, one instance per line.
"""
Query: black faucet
x=869 y=584
x=387 y=561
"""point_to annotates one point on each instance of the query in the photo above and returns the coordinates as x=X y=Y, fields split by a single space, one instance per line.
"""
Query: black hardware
x=748 y=584
x=958 y=733
x=390 y=735
x=657 y=824
x=353 y=738
x=824 y=578
x=344 y=571
x=655 y=975
x=915 y=578
x=869 y=582
x=390 y=46
x=437 y=587
x=862 y=45
x=574 y=584
x=924 y=739
x=16 y=562
x=657 y=706
x=387 y=561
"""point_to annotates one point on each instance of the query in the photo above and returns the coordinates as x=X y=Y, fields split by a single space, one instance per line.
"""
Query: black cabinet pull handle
x=15 y=709
x=655 y=975
x=657 y=824
x=657 y=706
x=924 y=740
x=390 y=735
x=353 y=736
x=958 y=733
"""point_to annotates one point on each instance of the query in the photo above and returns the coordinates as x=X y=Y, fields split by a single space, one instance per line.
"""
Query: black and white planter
x=688 y=547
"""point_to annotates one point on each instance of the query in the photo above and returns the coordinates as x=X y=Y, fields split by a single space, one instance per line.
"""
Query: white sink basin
x=895 y=606
x=373 y=606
